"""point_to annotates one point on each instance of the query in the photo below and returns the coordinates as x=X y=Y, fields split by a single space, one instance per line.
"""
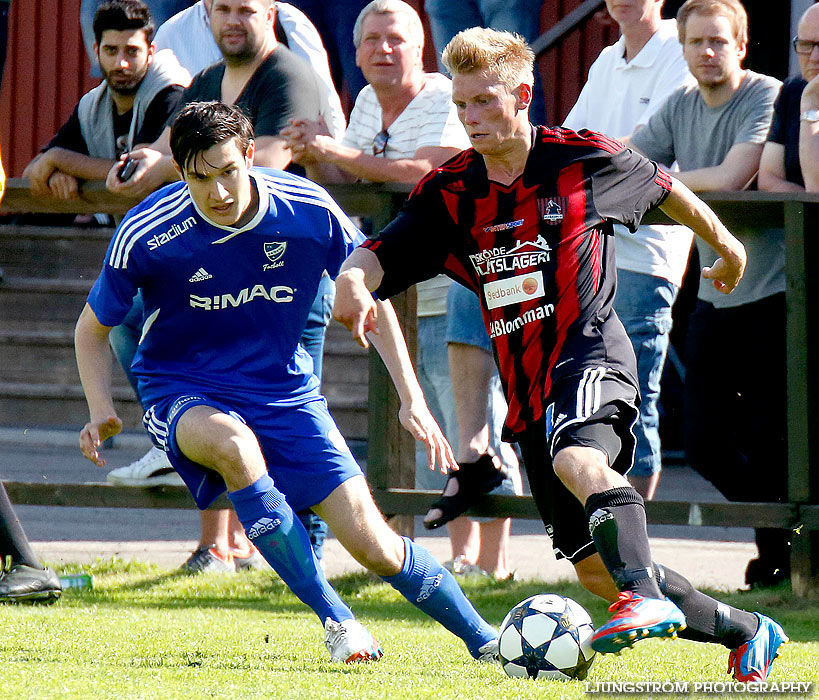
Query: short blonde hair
x=390 y=7
x=480 y=50
x=732 y=10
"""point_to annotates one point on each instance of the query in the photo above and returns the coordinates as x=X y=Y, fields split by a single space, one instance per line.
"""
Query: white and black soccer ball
x=546 y=636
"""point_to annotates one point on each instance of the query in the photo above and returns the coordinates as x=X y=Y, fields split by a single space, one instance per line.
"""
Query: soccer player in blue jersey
x=228 y=262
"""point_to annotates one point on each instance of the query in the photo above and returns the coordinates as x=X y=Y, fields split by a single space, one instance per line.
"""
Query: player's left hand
x=417 y=419
x=726 y=272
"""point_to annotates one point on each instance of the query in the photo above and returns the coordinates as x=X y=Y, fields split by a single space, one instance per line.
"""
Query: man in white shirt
x=403 y=125
x=627 y=83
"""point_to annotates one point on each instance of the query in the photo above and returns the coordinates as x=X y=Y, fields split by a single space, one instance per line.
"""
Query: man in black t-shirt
x=270 y=83
x=525 y=219
x=140 y=91
x=790 y=159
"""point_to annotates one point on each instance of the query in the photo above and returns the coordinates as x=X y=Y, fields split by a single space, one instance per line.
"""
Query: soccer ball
x=546 y=636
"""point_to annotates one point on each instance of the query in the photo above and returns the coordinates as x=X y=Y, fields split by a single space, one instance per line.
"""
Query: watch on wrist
x=809 y=115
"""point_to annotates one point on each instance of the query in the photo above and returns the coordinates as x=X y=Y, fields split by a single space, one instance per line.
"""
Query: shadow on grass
x=371 y=598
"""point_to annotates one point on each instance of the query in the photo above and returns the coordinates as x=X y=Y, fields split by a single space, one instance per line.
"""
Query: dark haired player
x=524 y=219
x=228 y=262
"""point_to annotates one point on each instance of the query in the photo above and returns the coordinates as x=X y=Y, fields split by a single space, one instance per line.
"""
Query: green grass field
x=145 y=632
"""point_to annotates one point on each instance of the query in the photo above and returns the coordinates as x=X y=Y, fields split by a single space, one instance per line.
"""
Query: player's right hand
x=94 y=433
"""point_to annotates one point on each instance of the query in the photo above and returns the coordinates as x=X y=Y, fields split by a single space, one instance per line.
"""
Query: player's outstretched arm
x=414 y=414
x=685 y=207
x=94 y=365
x=354 y=306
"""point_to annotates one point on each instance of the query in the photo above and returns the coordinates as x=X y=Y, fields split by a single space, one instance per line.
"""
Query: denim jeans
x=448 y=17
x=462 y=325
x=643 y=303
x=433 y=375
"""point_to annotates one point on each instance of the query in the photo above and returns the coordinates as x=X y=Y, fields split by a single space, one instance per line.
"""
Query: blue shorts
x=306 y=455
x=464 y=320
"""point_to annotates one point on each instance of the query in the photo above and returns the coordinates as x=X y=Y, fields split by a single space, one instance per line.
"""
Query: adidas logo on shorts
x=201 y=275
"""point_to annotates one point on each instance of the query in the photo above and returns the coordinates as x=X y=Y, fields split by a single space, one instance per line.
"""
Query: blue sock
x=282 y=540
x=431 y=588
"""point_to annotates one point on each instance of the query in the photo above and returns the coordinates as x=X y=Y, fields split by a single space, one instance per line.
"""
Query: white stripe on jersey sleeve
x=310 y=193
x=132 y=229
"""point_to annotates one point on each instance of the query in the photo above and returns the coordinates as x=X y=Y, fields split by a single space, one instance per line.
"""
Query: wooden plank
x=802 y=293
x=97 y=495
x=410 y=502
x=377 y=201
x=396 y=501
x=390 y=448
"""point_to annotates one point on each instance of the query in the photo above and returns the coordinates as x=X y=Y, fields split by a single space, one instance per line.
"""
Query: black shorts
x=595 y=409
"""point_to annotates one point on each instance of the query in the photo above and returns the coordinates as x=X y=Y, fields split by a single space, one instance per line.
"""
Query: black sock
x=708 y=620
x=617 y=523
x=13 y=540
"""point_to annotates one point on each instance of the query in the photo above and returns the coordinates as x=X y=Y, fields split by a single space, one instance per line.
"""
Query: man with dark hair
x=130 y=107
x=271 y=85
x=228 y=263
x=525 y=220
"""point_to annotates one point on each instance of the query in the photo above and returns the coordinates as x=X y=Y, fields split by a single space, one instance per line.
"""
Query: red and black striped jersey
x=538 y=252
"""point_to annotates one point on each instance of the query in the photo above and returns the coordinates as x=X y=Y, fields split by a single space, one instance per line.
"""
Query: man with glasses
x=790 y=158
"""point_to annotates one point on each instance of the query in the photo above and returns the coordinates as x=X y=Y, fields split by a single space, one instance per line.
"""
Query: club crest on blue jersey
x=552 y=209
x=274 y=252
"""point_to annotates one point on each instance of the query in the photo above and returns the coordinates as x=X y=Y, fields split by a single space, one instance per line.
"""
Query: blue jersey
x=224 y=307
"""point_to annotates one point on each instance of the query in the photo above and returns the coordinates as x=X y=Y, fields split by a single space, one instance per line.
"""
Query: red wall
x=45 y=75
x=47 y=70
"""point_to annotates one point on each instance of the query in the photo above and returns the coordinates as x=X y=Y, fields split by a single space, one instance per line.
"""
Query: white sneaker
x=349 y=641
x=488 y=653
x=152 y=469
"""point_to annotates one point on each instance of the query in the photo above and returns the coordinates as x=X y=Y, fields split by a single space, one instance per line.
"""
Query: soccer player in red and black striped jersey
x=524 y=218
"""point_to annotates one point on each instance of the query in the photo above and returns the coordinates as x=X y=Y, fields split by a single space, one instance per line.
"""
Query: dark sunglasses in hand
x=380 y=142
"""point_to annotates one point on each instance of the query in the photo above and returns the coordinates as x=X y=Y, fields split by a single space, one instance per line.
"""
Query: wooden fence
x=391 y=451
